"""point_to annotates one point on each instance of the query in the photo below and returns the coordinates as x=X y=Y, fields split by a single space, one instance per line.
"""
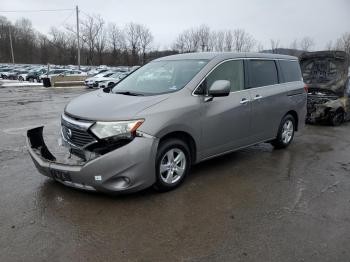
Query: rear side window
x=290 y=70
x=262 y=73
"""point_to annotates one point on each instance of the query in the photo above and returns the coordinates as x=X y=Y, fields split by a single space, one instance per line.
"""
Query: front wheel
x=173 y=163
x=285 y=132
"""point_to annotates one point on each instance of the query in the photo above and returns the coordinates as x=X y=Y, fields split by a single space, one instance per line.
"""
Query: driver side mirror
x=220 y=88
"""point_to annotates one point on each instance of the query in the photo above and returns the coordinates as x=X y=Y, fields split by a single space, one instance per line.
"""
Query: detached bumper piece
x=46 y=163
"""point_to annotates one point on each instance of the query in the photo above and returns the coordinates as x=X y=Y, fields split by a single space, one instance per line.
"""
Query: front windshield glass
x=160 y=77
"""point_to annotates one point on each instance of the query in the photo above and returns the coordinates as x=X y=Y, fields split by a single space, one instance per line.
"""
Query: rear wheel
x=173 y=163
x=21 y=79
x=337 y=118
x=285 y=132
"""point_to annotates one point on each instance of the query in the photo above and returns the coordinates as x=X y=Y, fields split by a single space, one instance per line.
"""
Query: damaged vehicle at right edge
x=326 y=75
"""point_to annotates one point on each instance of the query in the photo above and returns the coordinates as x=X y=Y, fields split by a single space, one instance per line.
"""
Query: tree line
x=133 y=44
x=101 y=43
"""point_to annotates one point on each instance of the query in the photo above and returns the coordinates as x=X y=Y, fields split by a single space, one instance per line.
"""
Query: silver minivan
x=172 y=113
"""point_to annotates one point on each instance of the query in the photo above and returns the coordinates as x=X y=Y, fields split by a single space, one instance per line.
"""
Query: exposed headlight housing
x=116 y=130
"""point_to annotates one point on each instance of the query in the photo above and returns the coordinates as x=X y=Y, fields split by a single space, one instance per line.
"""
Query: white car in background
x=74 y=73
x=93 y=81
x=113 y=79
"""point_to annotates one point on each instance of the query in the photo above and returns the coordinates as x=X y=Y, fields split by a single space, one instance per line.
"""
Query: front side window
x=262 y=73
x=232 y=71
x=160 y=77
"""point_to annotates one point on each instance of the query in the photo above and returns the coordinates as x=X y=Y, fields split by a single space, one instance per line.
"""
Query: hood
x=327 y=70
x=98 y=105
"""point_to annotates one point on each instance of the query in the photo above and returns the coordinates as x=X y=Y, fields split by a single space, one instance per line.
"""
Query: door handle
x=244 y=101
x=257 y=97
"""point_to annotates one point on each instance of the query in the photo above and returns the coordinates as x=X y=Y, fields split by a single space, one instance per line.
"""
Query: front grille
x=77 y=137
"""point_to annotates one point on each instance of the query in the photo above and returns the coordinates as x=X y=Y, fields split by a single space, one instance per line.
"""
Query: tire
x=337 y=118
x=173 y=173
x=285 y=133
x=110 y=84
x=20 y=79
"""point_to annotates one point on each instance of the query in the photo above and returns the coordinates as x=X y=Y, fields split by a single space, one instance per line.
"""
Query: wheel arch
x=185 y=137
x=294 y=114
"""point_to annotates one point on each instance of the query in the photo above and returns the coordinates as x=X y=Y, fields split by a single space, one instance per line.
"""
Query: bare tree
x=116 y=37
x=274 y=45
x=146 y=39
x=179 y=43
x=220 y=38
x=212 y=41
x=228 y=40
x=91 y=28
x=242 y=41
x=260 y=47
x=203 y=33
x=294 y=45
x=59 y=45
x=306 y=43
x=132 y=38
x=329 y=45
x=343 y=43
x=101 y=39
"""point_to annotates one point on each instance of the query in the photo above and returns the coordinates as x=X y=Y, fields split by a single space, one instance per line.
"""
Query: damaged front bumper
x=129 y=168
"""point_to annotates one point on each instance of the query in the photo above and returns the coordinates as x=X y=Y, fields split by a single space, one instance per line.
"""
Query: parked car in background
x=52 y=72
x=34 y=74
x=4 y=72
x=13 y=74
x=150 y=131
x=94 y=80
x=112 y=80
x=95 y=72
x=22 y=74
x=326 y=74
x=74 y=73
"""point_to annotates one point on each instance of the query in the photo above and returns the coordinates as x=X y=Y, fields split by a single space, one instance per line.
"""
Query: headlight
x=120 y=129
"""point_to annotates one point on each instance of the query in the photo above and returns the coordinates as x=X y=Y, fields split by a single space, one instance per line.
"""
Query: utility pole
x=78 y=38
x=12 y=55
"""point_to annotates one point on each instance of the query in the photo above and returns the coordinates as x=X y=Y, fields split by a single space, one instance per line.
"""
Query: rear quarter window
x=290 y=70
x=262 y=73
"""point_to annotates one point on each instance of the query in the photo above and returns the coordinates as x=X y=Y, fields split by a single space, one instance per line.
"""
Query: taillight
x=306 y=88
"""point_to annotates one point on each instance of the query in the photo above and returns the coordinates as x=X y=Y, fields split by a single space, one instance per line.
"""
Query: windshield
x=160 y=77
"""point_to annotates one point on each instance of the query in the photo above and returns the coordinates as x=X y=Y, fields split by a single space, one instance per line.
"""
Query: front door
x=226 y=120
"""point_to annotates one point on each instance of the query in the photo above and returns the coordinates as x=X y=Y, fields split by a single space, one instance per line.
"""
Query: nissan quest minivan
x=170 y=114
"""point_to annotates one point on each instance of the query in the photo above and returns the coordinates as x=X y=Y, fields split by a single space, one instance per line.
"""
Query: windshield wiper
x=128 y=93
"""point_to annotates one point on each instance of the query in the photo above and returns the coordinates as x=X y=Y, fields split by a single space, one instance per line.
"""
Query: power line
x=37 y=10
x=65 y=20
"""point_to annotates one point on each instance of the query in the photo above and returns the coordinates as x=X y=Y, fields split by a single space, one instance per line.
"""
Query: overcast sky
x=286 y=20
